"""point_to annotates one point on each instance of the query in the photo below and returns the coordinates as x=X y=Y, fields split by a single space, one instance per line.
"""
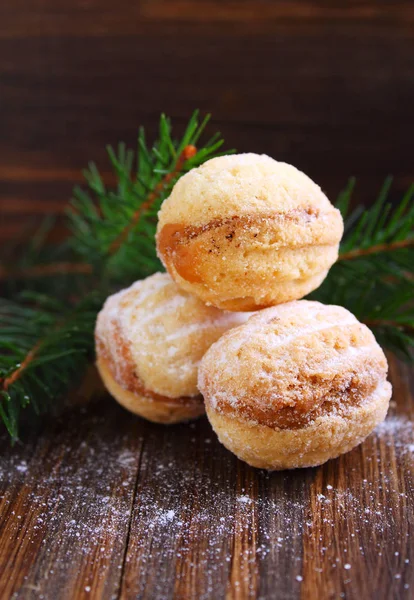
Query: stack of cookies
x=285 y=382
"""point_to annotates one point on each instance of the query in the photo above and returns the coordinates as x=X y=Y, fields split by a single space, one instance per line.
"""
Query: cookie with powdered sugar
x=294 y=386
x=150 y=339
x=244 y=232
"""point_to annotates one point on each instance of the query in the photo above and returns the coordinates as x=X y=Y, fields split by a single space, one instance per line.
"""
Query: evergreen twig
x=46 y=336
x=374 y=275
x=359 y=252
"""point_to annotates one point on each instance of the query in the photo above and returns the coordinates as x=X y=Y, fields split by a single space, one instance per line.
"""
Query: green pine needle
x=44 y=348
x=46 y=337
x=374 y=276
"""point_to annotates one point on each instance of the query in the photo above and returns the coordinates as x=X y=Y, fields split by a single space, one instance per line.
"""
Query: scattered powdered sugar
x=398 y=432
x=22 y=467
x=155 y=327
x=126 y=458
x=196 y=507
x=72 y=505
x=163 y=518
x=244 y=499
x=314 y=319
x=394 y=425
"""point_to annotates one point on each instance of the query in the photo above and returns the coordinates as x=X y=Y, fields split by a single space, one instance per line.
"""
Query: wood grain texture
x=65 y=507
x=325 y=87
x=101 y=504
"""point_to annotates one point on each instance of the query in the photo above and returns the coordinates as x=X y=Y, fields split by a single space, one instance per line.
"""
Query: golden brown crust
x=290 y=367
x=276 y=245
x=304 y=412
x=155 y=408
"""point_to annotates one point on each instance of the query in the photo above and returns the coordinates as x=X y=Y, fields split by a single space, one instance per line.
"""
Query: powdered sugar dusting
x=397 y=432
x=67 y=500
x=301 y=359
x=190 y=508
x=161 y=332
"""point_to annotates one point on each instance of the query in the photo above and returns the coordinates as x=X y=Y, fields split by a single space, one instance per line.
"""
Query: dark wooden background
x=328 y=86
x=101 y=504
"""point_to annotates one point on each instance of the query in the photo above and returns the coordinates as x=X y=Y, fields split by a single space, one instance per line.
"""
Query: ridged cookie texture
x=244 y=232
x=149 y=341
x=296 y=385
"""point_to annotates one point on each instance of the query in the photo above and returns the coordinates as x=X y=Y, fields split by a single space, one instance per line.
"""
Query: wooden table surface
x=102 y=504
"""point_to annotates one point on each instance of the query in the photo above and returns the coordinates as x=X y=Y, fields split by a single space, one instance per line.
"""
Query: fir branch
x=187 y=153
x=380 y=229
x=44 y=347
x=114 y=230
x=374 y=275
x=47 y=339
x=20 y=368
x=390 y=247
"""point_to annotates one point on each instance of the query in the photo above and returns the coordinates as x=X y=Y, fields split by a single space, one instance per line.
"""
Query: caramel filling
x=335 y=401
x=182 y=245
x=125 y=375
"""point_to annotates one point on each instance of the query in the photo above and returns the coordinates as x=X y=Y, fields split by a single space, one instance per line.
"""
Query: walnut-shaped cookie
x=149 y=341
x=245 y=232
x=294 y=386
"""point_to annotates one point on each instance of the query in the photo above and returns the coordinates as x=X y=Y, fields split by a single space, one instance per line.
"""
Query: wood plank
x=208 y=526
x=100 y=17
x=331 y=113
x=182 y=517
x=65 y=506
x=284 y=516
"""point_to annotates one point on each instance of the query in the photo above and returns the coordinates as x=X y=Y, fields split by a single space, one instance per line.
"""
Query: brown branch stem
x=187 y=153
x=8 y=381
x=358 y=252
x=30 y=356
